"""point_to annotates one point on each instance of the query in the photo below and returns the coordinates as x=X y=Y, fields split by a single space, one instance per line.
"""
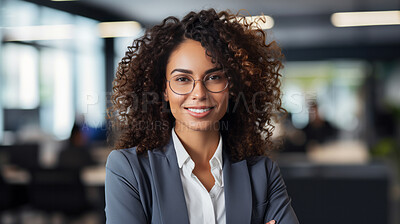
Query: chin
x=199 y=126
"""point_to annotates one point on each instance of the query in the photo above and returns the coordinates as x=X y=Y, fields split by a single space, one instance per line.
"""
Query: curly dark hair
x=142 y=119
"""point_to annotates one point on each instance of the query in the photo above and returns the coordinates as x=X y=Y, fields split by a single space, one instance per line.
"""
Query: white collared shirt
x=203 y=206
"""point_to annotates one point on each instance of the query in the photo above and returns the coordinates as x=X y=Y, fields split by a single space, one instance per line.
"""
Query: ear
x=165 y=95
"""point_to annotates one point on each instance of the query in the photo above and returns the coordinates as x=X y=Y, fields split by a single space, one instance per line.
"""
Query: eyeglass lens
x=184 y=84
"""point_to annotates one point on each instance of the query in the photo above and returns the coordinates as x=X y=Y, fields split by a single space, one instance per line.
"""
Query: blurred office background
x=340 y=155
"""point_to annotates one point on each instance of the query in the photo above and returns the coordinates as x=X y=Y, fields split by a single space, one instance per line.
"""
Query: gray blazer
x=147 y=189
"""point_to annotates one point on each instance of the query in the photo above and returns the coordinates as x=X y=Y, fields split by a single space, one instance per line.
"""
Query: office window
x=334 y=85
x=57 y=109
x=20 y=70
x=51 y=60
x=16 y=13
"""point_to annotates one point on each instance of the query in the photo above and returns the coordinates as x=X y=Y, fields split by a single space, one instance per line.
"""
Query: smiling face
x=199 y=110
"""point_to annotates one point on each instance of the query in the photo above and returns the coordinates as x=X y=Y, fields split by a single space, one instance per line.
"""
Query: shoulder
x=262 y=166
x=126 y=162
x=129 y=159
x=260 y=162
x=118 y=158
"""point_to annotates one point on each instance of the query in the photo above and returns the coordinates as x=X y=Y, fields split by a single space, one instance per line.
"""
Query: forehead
x=189 y=55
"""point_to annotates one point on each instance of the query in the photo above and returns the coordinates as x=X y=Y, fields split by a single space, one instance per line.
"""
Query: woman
x=193 y=102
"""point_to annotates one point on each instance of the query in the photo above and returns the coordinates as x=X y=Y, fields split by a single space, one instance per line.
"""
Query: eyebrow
x=190 y=72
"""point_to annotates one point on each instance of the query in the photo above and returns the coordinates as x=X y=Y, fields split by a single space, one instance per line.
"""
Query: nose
x=199 y=90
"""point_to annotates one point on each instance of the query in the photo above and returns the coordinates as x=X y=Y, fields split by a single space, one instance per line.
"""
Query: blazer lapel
x=238 y=197
x=168 y=184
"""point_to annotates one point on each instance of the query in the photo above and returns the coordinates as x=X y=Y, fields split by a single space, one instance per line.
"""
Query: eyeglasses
x=184 y=84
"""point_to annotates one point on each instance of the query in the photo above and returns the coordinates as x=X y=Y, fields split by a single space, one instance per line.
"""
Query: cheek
x=224 y=102
x=175 y=102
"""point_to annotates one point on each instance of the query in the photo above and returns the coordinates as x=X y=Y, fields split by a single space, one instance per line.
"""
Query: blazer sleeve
x=279 y=208
x=123 y=204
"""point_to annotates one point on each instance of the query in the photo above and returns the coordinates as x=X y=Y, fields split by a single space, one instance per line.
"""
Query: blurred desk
x=58 y=189
x=94 y=176
x=338 y=193
x=15 y=175
x=90 y=176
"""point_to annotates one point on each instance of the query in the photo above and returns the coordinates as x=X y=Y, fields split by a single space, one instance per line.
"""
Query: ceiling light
x=265 y=22
x=48 y=32
x=119 y=29
x=372 y=18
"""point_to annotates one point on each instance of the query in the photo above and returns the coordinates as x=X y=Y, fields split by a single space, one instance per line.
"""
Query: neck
x=200 y=145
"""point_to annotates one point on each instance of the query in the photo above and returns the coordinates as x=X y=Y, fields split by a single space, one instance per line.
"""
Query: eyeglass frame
x=202 y=81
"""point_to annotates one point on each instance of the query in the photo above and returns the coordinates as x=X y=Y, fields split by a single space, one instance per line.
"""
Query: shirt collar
x=217 y=155
x=183 y=156
x=181 y=152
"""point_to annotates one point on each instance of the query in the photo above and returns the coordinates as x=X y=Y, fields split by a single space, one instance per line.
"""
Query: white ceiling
x=297 y=22
x=153 y=11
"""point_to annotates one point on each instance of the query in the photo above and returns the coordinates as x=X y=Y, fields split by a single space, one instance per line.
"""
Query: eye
x=214 y=77
x=182 y=79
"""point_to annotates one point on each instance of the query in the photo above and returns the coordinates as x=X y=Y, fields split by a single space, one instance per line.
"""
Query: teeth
x=199 y=111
